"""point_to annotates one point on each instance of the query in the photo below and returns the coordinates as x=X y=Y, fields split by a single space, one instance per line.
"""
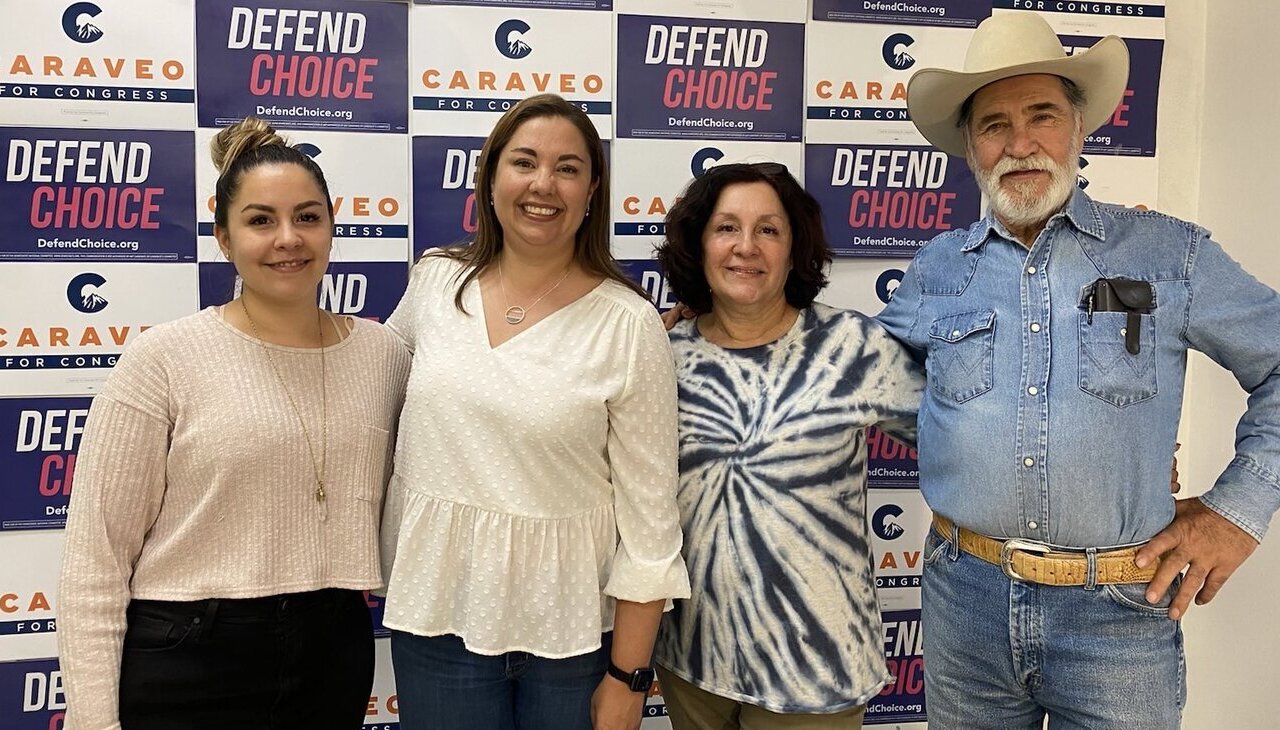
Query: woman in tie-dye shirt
x=783 y=628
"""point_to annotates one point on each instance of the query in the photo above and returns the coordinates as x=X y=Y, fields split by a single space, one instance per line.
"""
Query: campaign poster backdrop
x=955 y=13
x=650 y=175
x=31 y=694
x=471 y=64
x=96 y=195
x=368 y=289
x=857 y=78
x=64 y=325
x=648 y=274
x=109 y=63
x=903 y=700
x=1143 y=19
x=38 y=457
x=29 y=595
x=889 y=200
x=444 y=191
x=383 y=712
x=337 y=65
x=1131 y=130
x=710 y=79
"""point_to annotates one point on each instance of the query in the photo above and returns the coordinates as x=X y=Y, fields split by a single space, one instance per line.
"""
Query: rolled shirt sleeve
x=1235 y=320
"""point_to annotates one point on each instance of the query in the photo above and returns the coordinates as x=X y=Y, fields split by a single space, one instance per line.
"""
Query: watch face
x=642 y=680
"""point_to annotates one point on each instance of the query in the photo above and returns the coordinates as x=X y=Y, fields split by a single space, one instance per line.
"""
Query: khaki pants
x=693 y=708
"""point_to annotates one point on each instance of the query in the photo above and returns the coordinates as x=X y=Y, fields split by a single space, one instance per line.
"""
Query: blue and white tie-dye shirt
x=773 y=504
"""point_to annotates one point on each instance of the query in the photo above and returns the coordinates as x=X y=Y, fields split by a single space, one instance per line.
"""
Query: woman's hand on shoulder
x=672 y=317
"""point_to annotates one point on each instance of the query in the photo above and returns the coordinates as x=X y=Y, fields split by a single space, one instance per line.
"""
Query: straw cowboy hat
x=1014 y=44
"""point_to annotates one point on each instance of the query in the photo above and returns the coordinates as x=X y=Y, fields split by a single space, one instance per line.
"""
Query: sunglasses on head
x=769 y=169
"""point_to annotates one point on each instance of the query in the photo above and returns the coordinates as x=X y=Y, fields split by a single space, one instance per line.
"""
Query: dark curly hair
x=680 y=255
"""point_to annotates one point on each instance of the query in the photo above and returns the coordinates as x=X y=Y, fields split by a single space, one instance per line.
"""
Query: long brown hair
x=591 y=242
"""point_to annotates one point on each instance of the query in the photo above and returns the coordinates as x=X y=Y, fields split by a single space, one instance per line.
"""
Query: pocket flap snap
x=956 y=327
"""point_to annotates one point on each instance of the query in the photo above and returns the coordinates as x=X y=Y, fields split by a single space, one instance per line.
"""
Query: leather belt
x=1035 y=562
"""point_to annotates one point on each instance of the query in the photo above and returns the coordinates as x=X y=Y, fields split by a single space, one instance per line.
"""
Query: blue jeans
x=444 y=686
x=1001 y=654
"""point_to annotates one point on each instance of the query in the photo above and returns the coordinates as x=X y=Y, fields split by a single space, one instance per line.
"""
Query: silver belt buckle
x=1026 y=546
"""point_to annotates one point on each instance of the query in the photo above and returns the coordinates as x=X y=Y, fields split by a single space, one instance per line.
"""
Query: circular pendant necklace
x=515 y=313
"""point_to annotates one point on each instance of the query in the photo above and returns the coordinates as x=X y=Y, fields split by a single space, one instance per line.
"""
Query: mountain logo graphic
x=81 y=294
x=895 y=53
x=507 y=39
x=885 y=524
x=77 y=22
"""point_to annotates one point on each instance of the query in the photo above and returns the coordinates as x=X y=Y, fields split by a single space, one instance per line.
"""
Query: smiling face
x=1024 y=147
x=278 y=233
x=542 y=184
x=746 y=247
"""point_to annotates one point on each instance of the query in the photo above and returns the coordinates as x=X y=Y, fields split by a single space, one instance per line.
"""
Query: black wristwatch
x=638 y=681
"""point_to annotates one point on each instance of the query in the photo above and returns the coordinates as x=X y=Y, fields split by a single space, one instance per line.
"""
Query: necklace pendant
x=514 y=315
x=320 y=492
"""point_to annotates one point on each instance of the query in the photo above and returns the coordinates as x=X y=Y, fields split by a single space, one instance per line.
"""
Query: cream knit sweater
x=195 y=481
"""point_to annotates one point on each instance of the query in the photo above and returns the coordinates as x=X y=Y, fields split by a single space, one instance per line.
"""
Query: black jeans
x=298 y=660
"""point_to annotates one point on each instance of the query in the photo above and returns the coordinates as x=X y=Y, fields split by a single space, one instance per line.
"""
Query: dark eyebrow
x=1045 y=106
x=562 y=158
x=269 y=209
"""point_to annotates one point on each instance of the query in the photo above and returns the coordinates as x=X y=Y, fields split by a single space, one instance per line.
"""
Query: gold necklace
x=515 y=313
x=318 y=468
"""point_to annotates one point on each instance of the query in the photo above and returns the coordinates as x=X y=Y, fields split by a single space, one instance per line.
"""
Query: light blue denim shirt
x=1036 y=421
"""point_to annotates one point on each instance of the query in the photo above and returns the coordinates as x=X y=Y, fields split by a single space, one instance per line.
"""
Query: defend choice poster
x=96 y=195
x=320 y=64
x=38 y=458
x=710 y=79
x=888 y=200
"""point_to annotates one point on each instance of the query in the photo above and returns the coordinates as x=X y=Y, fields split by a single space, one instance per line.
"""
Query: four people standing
x=530 y=537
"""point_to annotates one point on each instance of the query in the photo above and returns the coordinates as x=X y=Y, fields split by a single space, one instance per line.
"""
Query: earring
x=490 y=202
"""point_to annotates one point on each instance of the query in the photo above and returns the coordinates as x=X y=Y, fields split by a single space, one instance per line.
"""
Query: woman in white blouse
x=531 y=534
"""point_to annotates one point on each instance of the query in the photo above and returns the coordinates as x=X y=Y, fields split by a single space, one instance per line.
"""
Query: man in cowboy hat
x=1054 y=333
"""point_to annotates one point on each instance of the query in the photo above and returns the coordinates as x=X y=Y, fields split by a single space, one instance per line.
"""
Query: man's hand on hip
x=1204 y=542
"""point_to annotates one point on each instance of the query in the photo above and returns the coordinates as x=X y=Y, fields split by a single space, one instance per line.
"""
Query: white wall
x=1224 y=176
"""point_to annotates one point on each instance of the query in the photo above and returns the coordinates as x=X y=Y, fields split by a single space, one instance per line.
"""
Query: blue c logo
x=883 y=524
x=77 y=25
x=516 y=48
x=308 y=149
x=83 y=301
x=1081 y=181
x=895 y=53
x=888 y=283
x=702 y=160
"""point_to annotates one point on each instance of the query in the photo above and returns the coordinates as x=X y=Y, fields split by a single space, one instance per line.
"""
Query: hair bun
x=244 y=136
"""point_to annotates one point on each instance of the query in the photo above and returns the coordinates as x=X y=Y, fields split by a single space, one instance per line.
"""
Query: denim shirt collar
x=1080 y=211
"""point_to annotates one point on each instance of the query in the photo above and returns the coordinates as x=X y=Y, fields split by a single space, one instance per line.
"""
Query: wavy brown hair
x=681 y=254
x=591 y=242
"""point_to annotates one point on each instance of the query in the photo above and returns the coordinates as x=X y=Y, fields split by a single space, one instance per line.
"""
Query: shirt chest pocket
x=960 y=356
x=1108 y=370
